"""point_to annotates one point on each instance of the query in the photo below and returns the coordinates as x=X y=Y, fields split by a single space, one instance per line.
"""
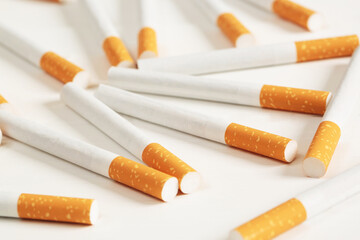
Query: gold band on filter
x=116 y=51
x=326 y=48
x=274 y=222
x=158 y=157
x=231 y=26
x=138 y=176
x=59 y=67
x=53 y=208
x=294 y=99
x=256 y=141
x=292 y=12
x=147 y=41
x=324 y=142
x=2 y=99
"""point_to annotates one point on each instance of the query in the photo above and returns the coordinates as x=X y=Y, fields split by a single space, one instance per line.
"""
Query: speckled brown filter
x=138 y=176
x=231 y=26
x=59 y=67
x=116 y=51
x=294 y=99
x=256 y=141
x=324 y=142
x=326 y=48
x=2 y=99
x=158 y=157
x=274 y=222
x=147 y=41
x=292 y=12
x=53 y=208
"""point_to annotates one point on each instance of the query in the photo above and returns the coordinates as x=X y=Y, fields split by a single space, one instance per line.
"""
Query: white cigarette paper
x=301 y=208
x=129 y=136
x=209 y=127
x=245 y=93
x=90 y=157
x=113 y=46
x=253 y=56
x=339 y=111
x=231 y=27
x=48 y=208
x=41 y=57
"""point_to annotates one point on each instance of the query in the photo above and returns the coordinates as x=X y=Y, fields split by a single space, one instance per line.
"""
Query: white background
x=237 y=185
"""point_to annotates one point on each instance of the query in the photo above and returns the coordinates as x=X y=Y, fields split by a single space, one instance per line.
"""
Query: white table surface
x=237 y=185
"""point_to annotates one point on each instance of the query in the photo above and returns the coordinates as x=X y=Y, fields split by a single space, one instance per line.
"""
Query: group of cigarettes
x=163 y=174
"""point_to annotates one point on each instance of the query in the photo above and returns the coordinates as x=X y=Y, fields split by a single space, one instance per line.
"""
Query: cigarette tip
x=94 y=212
x=328 y=98
x=126 y=64
x=83 y=79
x=245 y=40
x=314 y=167
x=190 y=182
x=290 y=151
x=170 y=189
x=235 y=235
x=147 y=54
x=315 y=22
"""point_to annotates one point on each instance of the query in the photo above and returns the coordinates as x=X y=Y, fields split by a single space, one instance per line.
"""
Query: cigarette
x=114 y=48
x=231 y=27
x=147 y=44
x=301 y=208
x=209 y=127
x=246 y=93
x=48 y=208
x=108 y=164
x=254 y=56
x=339 y=111
x=50 y=62
x=130 y=137
x=293 y=12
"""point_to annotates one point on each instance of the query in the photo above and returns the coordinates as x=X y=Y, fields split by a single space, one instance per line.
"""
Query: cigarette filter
x=300 y=208
x=231 y=27
x=292 y=12
x=48 y=208
x=50 y=62
x=147 y=44
x=339 y=111
x=113 y=46
x=108 y=164
x=216 y=129
x=254 y=56
x=246 y=93
x=130 y=137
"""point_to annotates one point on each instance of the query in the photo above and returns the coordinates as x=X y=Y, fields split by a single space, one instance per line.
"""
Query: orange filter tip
x=272 y=223
x=143 y=178
x=326 y=48
x=234 y=30
x=260 y=142
x=147 y=44
x=2 y=99
x=321 y=149
x=63 y=70
x=59 y=209
x=298 y=14
x=294 y=99
x=158 y=157
x=117 y=53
